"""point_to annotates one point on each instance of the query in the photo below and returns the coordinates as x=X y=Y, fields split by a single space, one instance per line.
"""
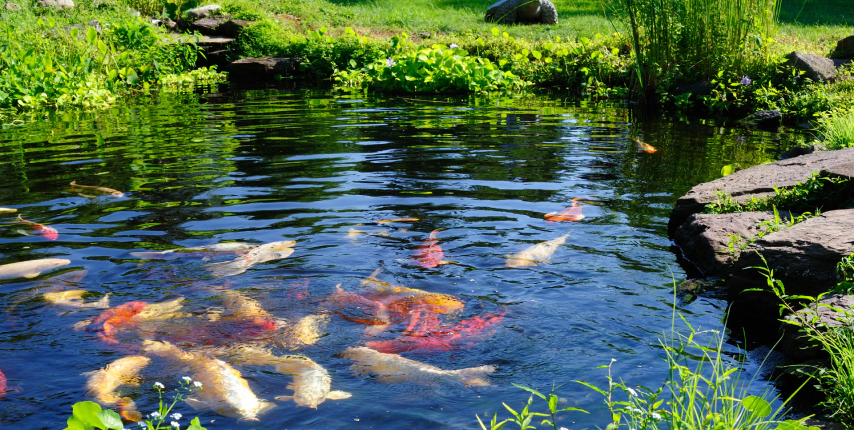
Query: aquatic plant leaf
x=795 y=425
x=110 y=419
x=75 y=424
x=195 y=425
x=757 y=406
x=87 y=414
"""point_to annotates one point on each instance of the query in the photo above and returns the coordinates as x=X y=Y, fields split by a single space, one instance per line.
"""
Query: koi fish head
x=111 y=321
x=357 y=308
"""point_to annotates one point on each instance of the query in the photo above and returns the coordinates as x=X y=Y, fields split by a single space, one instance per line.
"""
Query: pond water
x=265 y=166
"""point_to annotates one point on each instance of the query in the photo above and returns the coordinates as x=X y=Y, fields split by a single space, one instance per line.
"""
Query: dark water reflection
x=264 y=166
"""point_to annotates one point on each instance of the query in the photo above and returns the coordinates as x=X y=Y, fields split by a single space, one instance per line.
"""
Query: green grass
x=836 y=129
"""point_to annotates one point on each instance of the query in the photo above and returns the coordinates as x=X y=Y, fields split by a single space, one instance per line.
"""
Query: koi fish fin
x=475 y=376
x=32 y=275
x=22 y=232
x=196 y=403
x=338 y=395
x=374 y=330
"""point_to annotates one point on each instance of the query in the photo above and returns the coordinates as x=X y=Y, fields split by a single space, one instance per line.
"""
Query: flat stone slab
x=759 y=181
x=261 y=68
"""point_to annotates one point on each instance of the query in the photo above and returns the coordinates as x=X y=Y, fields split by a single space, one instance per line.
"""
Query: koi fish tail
x=475 y=376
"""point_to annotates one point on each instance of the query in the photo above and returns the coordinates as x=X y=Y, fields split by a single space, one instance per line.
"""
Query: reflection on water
x=263 y=166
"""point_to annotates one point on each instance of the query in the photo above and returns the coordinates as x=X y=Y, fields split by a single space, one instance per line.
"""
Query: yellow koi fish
x=392 y=368
x=539 y=253
x=101 y=190
x=74 y=299
x=7 y=210
x=102 y=384
x=31 y=268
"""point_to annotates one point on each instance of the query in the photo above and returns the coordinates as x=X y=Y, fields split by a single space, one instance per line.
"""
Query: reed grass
x=836 y=129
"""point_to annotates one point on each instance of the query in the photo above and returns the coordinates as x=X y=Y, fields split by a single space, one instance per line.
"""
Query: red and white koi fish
x=101 y=190
x=429 y=253
x=464 y=334
x=2 y=384
x=392 y=368
x=643 y=146
x=49 y=233
x=572 y=213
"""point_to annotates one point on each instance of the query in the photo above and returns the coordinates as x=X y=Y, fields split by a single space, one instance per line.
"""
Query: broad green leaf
x=729 y=169
x=75 y=424
x=87 y=413
x=757 y=406
x=111 y=419
x=195 y=425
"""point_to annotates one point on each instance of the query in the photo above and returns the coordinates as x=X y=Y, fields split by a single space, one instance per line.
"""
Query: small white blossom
x=142 y=424
x=159 y=385
x=197 y=384
x=453 y=45
x=389 y=62
x=632 y=391
x=187 y=378
x=176 y=416
x=175 y=424
x=154 y=414
x=656 y=415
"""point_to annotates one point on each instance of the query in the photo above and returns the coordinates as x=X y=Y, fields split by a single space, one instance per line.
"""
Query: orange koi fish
x=49 y=233
x=572 y=213
x=356 y=308
x=299 y=290
x=389 y=221
x=442 y=339
x=643 y=146
x=114 y=319
x=2 y=384
x=101 y=190
x=429 y=253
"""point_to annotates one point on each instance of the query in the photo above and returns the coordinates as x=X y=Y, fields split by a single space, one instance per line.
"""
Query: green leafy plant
x=89 y=415
x=836 y=128
x=737 y=243
x=814 y=192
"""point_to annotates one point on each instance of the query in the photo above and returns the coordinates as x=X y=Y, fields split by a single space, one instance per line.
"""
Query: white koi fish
x=102 y=383
x=539 y=253
x=74 y=299
x=7 y=210
x=308 y=330
x=260 y=254
x=392 y=368
x=224 y=390
x=239 y=248
x=31 y=268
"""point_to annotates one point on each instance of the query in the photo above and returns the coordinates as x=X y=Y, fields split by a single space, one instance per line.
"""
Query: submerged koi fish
x=49 y=233
x=74 y=299
x=2 y=384
x=31 y=268
x=392 y=368
x=299 y=290
x=643 y=146
x=239 y=248
x=541 y=252
x=442 y=339
x=429 y=253
x=356 y=308
x=572 y=213
x=102 y=190
x=263 y=253
x=102 y=384
x=8 y=210
x=389 y=221
x=113 y=320
x=224 y=390
x=311 y=385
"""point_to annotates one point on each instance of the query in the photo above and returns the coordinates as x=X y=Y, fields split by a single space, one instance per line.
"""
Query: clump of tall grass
x=836 y=128
x=703 y=390
x=696 y=39
x=836 y=377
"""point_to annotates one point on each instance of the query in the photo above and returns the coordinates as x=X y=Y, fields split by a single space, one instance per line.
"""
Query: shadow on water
x=261 y=165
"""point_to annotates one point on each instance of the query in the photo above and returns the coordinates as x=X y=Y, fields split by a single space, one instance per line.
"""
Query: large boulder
x=825 y=313
x=759 y=181
x=844 y=48
x=12 y=6
x=522 y=11
x=203 y=12
x=56 y=4
x=768 y=120
x=262 y=68
x=815 y=67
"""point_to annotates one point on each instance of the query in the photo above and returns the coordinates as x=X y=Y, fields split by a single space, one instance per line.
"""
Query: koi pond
x=420 y=246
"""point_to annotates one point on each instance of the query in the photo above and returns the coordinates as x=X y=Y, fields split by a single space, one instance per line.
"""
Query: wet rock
x=844 y=48
x=797 y=152
x=827 y=312
x=203 y=12
x=522 y=11
x=233 y=27
x=690 y=289
x=768 y=120
x=208 y=26
x=705 y=239
x=757 y=181
x=12 y=6
x=815 y=67
x=262 y=67
x=56 y=4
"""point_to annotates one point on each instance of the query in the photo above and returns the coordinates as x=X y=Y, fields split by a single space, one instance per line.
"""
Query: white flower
x=142 y=424
x=656 y=415
x=389 y=62
x=176 y=416
x=175 y=424
x=632 y=391
x=197 y=384
x=159 y=385
x=154 y=414
x=187 y=378
x=453 y=45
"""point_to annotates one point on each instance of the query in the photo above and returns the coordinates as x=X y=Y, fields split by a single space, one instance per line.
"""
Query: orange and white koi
x=539 y=253
x=49 y=233
x=429 y=253
x=464 y=334
x=102 y=384
x=101 y=190
x=643 y=146
x=572 y=213
x=392 y=368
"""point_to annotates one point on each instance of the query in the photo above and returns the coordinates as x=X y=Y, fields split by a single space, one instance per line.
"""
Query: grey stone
x=56 y=4
x=757 y=181
x=262 y=67
x=704 y=238
x=12 y=6
x=815 y=67
x=844 y=48
x=826 y=313
x=203 y=12
x=768 y=120
x=797 y=151
x=208 y=26
x=233 y=27
x=522 y=11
